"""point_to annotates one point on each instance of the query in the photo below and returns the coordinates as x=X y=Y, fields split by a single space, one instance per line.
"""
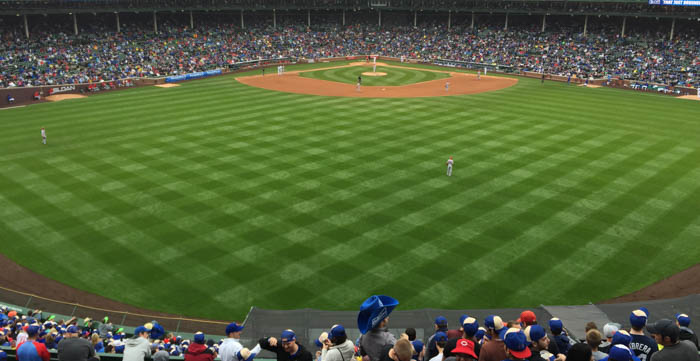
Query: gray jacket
x=372 y=343
x=137 y=349
x=342 y=352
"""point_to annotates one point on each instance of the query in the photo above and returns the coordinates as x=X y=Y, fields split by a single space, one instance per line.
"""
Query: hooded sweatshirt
x=343 y=352
x=137 y=349
x=199 y=352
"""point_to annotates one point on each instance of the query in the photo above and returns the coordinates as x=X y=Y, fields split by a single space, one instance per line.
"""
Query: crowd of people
x=494 y=339
x=99 y=54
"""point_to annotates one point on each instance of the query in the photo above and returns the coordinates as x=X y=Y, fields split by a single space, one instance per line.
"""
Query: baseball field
x=213 y=196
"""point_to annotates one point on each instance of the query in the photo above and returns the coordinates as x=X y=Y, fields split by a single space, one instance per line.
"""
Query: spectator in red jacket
x=198 y=351
x=31 y=350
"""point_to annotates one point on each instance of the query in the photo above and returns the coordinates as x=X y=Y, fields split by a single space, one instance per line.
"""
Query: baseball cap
x=610 y=328
x=620 y=353
x=683 y=319
x=516 y=342
x=139 y=330
x=33 y=330
x=621 y=337
x=470 y=326
x=528 y=317
x=556 y=325
x=462 y=318
x=494 y=322
x=664 y=327
x=337 y=331
x=72 y=329
x=199 y=337
x=638 y=318
x=245 y=355
x=233 y=327
x=441 y=322
x=440 y=336
x=288 y=335
x=417 y=346
x=534 y=333
x=466 y=347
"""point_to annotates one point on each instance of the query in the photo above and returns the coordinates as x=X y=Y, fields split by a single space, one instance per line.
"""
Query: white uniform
x=447 y=86
x=450 y=162
x=698 y=92
x=43 y=135
x=229 y=348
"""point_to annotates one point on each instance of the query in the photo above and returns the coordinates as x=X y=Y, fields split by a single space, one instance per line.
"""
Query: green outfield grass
x=394 y=76
x=214 y=196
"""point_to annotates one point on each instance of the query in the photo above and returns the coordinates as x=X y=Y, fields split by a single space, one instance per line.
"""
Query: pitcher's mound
x=374 y=73
x=59 y=97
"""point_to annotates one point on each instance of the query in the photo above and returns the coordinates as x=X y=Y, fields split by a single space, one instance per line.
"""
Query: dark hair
x=591 y=326
x=411 y=332
x=339 y=340
x=579 y=352
x=441 y=343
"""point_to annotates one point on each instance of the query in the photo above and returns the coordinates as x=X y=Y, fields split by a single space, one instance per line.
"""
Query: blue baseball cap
x=535 y=333
x=33 y=330
x=417 y=346
x=462 y=318
x=288 y=335
x=72 y=329
x=440 y=336
x=620 y=353
x=621 y=337
x=470 y=326
x=516 y=342
x=556 y=325
x=139 y=330
x=480 y=333
x=441 y=322
x=638 y=318
x=683 y=319
x=199 y=337
x=233 y=327
x=494 y=322
x=337 y=331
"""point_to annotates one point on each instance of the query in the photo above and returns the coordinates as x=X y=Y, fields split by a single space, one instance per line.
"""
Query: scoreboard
x=675 y=2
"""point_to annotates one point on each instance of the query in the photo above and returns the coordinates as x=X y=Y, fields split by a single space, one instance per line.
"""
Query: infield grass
x=211 y=197
x=394 y=75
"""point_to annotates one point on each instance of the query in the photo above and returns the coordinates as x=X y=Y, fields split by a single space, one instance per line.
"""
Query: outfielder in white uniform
x=43 y=136
x=450 y=162
x=231 y=347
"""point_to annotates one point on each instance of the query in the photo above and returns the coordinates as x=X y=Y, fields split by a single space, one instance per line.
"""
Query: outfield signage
x=196 y=75
x=675 y=2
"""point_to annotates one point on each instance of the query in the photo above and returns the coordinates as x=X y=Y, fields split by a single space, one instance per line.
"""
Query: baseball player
x=357 y=88
x=447 y=86
x=449 y=163
x=359 y=79
x=698 y=92
x=43 y=136
x=478 y=75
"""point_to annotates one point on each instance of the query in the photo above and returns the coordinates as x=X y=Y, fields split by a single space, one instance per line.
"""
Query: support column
x=343 y=17
x=624 y=24
x=119 y=25
x=415 y=18
x=26 y=26
x=274 y=18
x=242 y=23
x=75 y=23
x=308 y=18
x=505 y=27
x=544 y=22
x=673 y=27
x=155 y=23
x=380 y=18
x=449 y=19
x=472 y=27
x=191 y=21
x=585 y=26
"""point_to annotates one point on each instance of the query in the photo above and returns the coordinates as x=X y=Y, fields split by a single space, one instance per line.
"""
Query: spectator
x=593 y=339
x=440 y=326
x=608 y=331
x=286 y=347
x=539 y=344
x=667 y=333
x=641 y=344
x=469 y=328
x=683 y=322
x=560 y=337
x=579 y=352
x=74 y=348
x=232 y=344
x=516 y=344
x=372 y=322
x=401 y=350
x=464 y=351
x=10 y=99
x=418 y=348
x=198 y=350
x=337 y=347
x=136 y=348
x=31 y=350
x=105 y=327
x=494 y=349
x=440 y=340
x=527 y=318
x=620 y=353
x=410 y=334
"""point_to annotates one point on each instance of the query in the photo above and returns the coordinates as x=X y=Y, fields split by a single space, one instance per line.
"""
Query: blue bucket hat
x=373 y=311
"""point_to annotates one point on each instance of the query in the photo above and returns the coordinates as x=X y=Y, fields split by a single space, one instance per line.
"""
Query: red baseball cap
x=465 y=346
x=528 y=317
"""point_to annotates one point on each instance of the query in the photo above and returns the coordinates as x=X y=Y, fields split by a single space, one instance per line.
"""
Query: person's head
x=33 y=331
x=516 y=344
x=579 y=352
x=441 y=322
x=619 y=353
x=665 y=332
x=94 y=338
x=289 y=341
x=621 y=337
x=556 y=326
x=594 y=338
x=537 y=337
x=591 y=326
x=411 y=333
x=682 y=319
x=337 y=335
x=418 y=347
x=470 y=326
x=638 y=319
x=440 y=339
x=72 y=331
x=527 y=318
x=199 y=338
x=609 y=330
x=142 y=332
x=464 y=350
x=234 y=330
x=494 y=324
x=402 y=350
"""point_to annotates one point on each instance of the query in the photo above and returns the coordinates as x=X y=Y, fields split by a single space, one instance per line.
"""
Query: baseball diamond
x=200 y=158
